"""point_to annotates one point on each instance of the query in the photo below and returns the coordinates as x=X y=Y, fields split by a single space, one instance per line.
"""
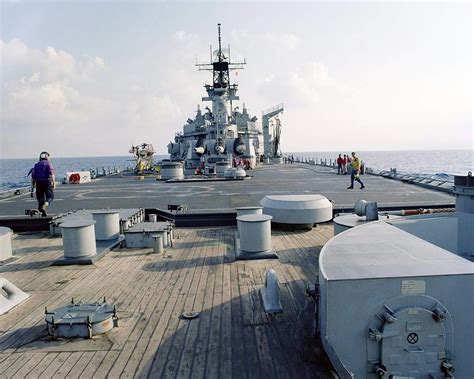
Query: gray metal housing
x=379 y=287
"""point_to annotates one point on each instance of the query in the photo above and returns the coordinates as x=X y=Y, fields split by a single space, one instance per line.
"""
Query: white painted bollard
x=107 y=225
x=255 y=233
x=241 y=211
x=157 y=243
x=5 y=243
x=164 y=237
x=78 y=238
x=153 y=218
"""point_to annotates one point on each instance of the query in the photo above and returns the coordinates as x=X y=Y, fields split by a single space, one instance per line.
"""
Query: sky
x=84 y=78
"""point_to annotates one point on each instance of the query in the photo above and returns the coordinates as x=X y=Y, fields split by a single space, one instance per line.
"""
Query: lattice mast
x=221 y=93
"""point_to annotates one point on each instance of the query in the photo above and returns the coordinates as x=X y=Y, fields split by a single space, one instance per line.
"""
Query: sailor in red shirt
x=344 y=165
x=339 y=165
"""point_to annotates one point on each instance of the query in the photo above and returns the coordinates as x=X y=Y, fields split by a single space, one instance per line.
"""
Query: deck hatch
x=81 y=320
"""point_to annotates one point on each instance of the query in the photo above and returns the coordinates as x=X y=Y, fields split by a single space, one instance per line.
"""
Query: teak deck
x=232 y=337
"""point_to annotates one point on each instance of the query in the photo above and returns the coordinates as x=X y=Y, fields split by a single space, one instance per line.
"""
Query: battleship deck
x=232 y=337
x=128 y=192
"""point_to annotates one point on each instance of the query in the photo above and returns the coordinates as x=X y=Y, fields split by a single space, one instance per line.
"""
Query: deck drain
x=81 y=320
x=189 y=315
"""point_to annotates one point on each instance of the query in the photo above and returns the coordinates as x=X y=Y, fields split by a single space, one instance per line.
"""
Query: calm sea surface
x=451 y=162
x=13 y=172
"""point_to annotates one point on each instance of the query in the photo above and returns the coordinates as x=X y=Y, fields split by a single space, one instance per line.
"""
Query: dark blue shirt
x=42 y=171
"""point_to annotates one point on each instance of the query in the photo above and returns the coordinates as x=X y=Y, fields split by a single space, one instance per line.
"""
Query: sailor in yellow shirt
x=355 y=172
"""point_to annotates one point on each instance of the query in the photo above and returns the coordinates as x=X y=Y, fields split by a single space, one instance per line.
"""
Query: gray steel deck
x=128 y=192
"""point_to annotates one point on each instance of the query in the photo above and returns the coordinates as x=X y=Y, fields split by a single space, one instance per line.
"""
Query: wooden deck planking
x=184 y=328
x=80 y=365
x=144 y=314
x=232 y=336
x=187 y=356
x=55 y=364
x=169 y=321
x=239 y=360
x=29 y=366
x=225 y=358
x=42 y=365
x=8 y=362
x=91 y=367
x=214 y=344
x=172 y=267
x=63 y=370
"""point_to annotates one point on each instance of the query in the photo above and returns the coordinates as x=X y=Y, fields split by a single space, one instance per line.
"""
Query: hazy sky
x=90 y=78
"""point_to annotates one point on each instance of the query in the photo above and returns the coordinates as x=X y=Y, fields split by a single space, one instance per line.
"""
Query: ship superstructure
x=222 y=132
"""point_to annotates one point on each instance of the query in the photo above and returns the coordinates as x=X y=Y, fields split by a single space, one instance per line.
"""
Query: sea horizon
x=284 y=153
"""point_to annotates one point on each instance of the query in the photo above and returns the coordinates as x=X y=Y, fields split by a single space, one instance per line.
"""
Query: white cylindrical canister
x=78 y=238
x=171 y=170
x=157 y=243
x=152 y=217
x=255 y=233
x=107 y=224
x=164 y=237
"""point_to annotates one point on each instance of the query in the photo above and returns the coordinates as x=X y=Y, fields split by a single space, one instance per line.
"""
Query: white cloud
x=29 y=100
x=43 y=86
x=44 y=92
x=307 y=86
x=18 y=59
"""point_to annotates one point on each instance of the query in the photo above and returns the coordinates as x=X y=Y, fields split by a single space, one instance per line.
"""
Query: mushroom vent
x=81 y=320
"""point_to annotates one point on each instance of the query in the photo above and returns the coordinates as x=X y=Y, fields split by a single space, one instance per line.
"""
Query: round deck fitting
x=107 y=225
x=81 y=320
x=297 y=209
x=189 y=315
x=78 y=238
x=255 y=233
x=221 y=167
x=171 y=170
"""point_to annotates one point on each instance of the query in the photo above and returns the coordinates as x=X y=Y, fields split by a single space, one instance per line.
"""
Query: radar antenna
x=221 y=66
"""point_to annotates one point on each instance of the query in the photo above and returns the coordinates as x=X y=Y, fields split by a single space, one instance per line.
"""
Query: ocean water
x=423 y=162
x=13 y=172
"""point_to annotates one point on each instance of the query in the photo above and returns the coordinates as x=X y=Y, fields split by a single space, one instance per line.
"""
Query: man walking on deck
x=43 y=179
x=355 y=164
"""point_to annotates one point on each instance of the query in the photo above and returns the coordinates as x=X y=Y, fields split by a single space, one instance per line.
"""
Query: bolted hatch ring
x=81 y=320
